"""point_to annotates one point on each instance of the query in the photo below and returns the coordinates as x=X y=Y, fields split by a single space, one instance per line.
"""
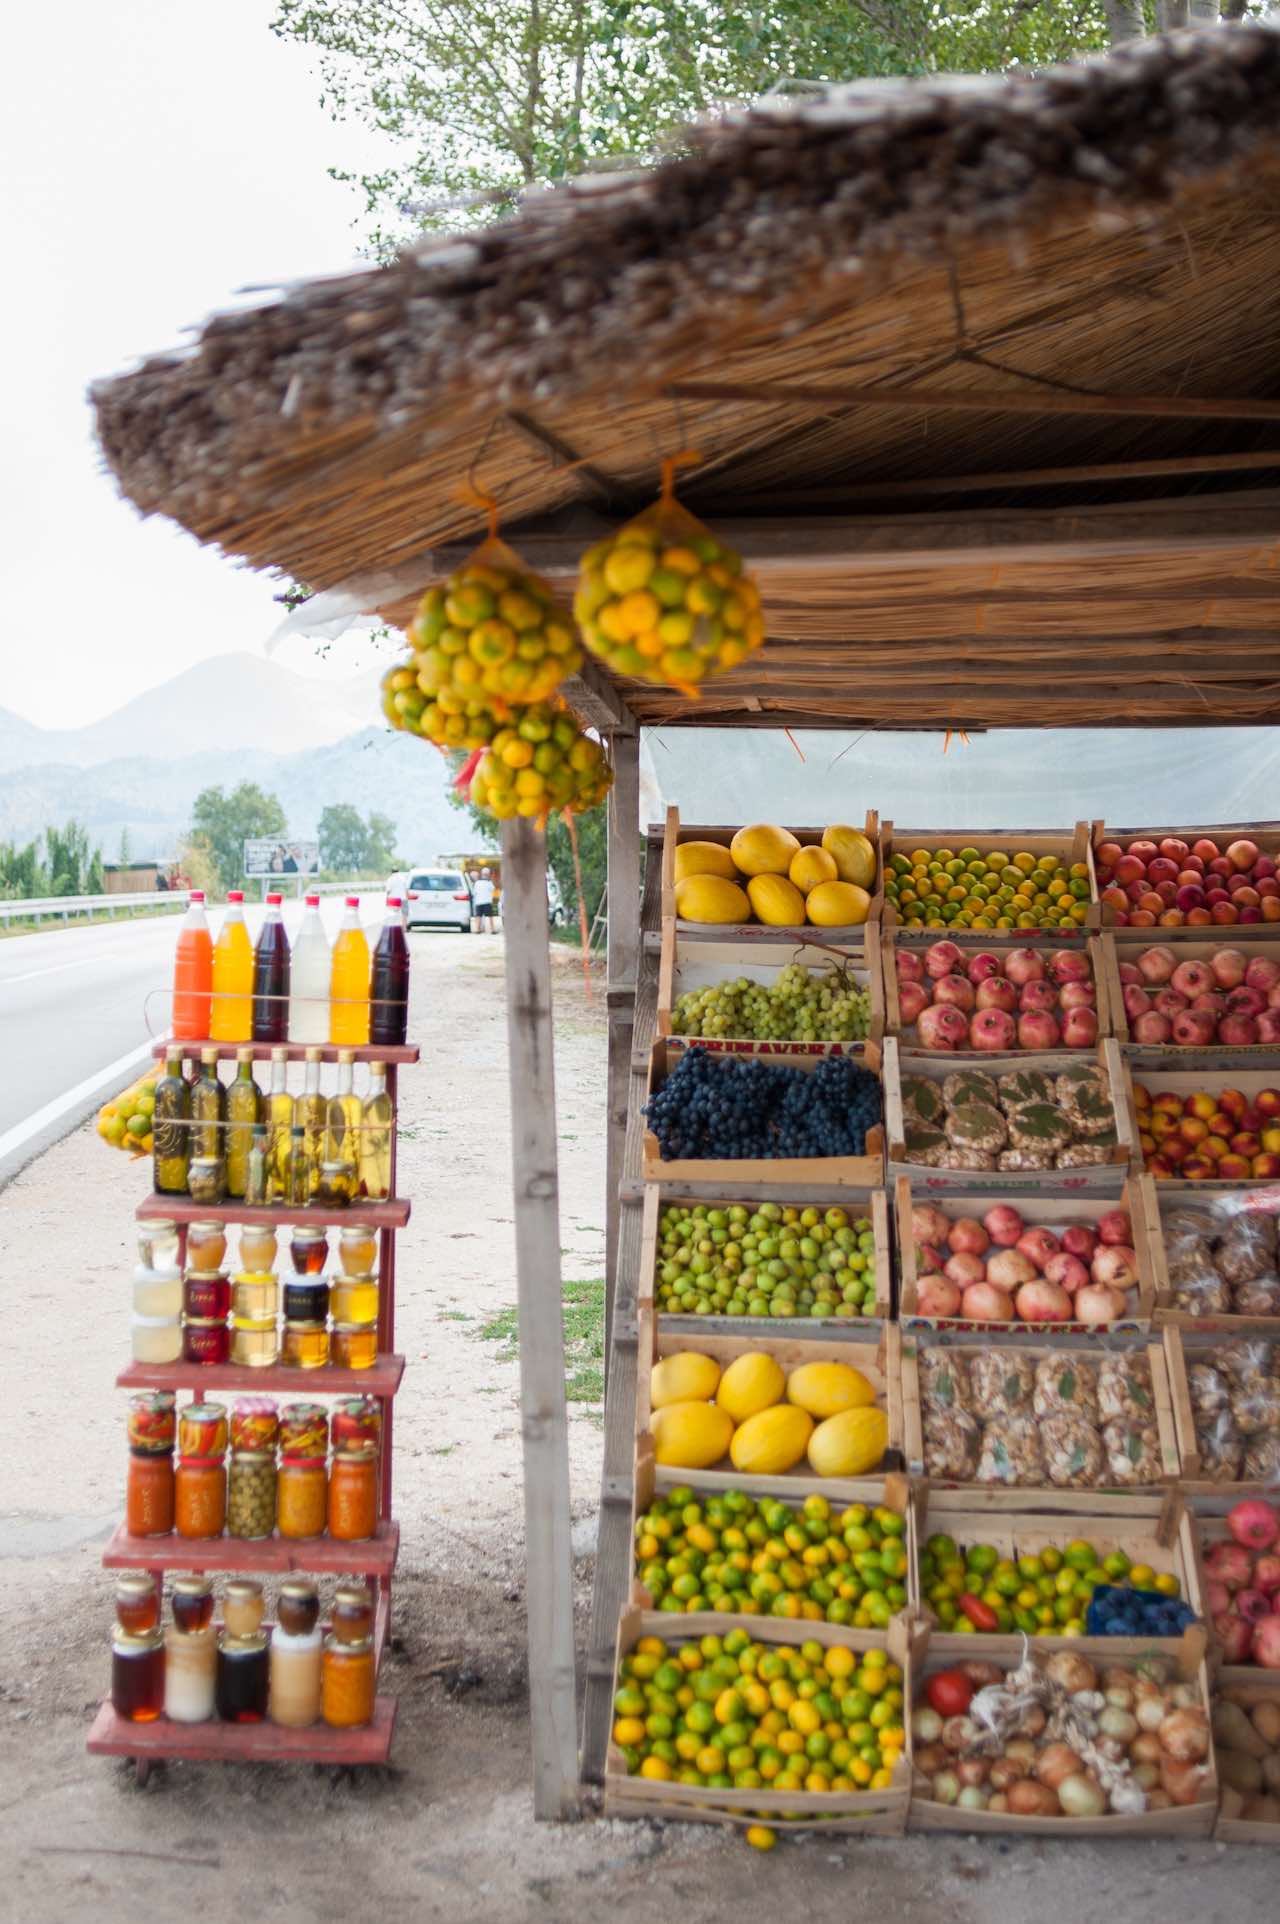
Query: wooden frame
x=685 y=964
x=1068 y=845
x=1205 y=1494
x=1197 y=1067
x=1265 y=834
x=1233 y=1828
x=1225 y=1327
x=676 y=832
x=893 y=940
x=1117 y=946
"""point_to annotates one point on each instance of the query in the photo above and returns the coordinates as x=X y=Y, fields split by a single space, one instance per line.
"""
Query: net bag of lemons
x=664 y=601
x=540 y=763
x=125 y=1121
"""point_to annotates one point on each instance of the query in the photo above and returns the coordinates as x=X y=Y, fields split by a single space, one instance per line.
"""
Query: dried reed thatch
x=1035 y=273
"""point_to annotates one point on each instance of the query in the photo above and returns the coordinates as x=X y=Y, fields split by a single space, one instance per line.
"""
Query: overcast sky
x=156 y=157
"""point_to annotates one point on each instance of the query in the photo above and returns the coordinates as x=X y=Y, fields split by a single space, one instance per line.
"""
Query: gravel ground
x=448 y=1829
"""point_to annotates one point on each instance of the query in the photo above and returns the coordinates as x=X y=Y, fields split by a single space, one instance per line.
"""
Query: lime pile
x=775 y=1260
x=667 y=611
x=964 y=889
x=1045 y=1594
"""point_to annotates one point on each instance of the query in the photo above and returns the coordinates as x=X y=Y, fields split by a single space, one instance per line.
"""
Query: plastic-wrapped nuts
x=1073 y=1453
x=1001 y=1383
x=1011 y=1451
x=1065 y=1384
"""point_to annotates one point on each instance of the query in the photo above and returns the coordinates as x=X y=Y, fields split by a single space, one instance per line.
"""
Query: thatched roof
x=915 y=291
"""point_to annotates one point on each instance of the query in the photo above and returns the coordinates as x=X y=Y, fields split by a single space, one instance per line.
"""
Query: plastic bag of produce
x=539 y=763
x=1220 y=1446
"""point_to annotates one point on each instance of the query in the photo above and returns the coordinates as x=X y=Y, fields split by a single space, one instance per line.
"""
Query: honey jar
x=257 y=1248
x=206 y=1247
x=254 y=1343
x=348 y=1683
x=242 y=1607
x=191 y=1601
x=354 y=1346
x=137 y=1604
x=137 y=1676
x=357 y=1250
x=354 y=1299
x=305 y=1346
x=255 y=1294
x=352 y=1612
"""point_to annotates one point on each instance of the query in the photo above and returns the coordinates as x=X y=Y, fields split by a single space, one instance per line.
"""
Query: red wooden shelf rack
x=114 y=1736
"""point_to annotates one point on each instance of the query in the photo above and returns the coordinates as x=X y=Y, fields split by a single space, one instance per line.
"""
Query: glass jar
x=206 y=1297
x=302 y=1491
x=298 y=1606
x=206 y=1247
x=202 y=1429
x=149 y=1494
x=352 y=1612
x=254 y=1344
x=254 y=1295
x=242 y=1679
x=242 y=1607
x=353 y=1496
x=251 y=1494
x=158 y=1244
x=354 y=1299
x=354 y=1346
x=137 y=1676
x=348 y=1683
x=255 y=1423
x=206 y=1179
x=157 y=1293
x=337 y=1185
x=304 y=1430
x=190 y=1668
x=191 y=1601
x=295 y=1678
x=151 y=1422
x=257 y=1248
x=206 y=1343
x=358 y=1250
x=137 y=1604
x=156 y=1339
x=306 y=1302
x=356 y=1424
x=308 y=1251
x=305 y=1346
x=200 y=1496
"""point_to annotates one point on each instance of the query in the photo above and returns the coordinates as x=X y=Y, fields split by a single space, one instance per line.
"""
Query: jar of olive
x=251 y=1494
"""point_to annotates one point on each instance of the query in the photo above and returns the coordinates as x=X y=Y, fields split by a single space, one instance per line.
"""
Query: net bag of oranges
x=664 y=601
x=541 y=762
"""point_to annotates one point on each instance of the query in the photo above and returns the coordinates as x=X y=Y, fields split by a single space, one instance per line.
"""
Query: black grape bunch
x=738 y=1108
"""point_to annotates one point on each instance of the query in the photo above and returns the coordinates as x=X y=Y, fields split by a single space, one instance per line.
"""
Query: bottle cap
x=277 y=899
x=197 y=895
x=235 y=895
x=352 y=901
x=313 y=901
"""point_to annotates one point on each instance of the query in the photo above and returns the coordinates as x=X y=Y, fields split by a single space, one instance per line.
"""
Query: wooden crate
x=893 y=942
x=1107 y=1177
x=992 y=1496
x=878 y=1362
x=876 y=1207
x=870 y=1813
x=1156 y=1528
x=838 y=1172
x=1265 y=834
x=1050 y=1212
x=1116 y=949
x=1181 y=1346
x=1069 y=845
x=684 y=965
x=1225 y=1327
x=1207 y=1069
x=676 y=831
x=1232 y=1827
x=1187 y=1820
x=1210 y=1530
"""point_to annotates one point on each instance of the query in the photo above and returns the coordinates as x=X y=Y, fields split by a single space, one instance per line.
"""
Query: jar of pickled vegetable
x=354 y=1299
x=353 y=1496
x=206 y=1297
x=200 y=1496
x=353 y=1346
x=308 y=1251
x=207 y=1179
x=337 y=1185
x=149 y=1494
x=251 y=1494
x=255 y=1423
x=137 y=1604
x=257 y=1248
x=190 y=1669
x=306 y=1302
x=304 y=1430
x=202 y=1429
x=207 y=1343
x=305 y=1346
x=137 y=1676
x=255 y=1296
x=191 y=1601
x=348 y=1682
x=298 y=1606
x=357 y=1250
x=302 y=1491
x=242 y=1679
x=356 y=1424
x=151 y=1422
x=254 y=1344
x=352 y=1612
x=242 y=1607
x=156 y=1339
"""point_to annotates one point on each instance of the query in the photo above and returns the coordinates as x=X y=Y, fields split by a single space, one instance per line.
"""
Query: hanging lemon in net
x=663 y=600
x=541 y=762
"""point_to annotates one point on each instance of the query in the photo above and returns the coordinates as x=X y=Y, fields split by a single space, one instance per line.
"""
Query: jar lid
x=200 y=1322
x=134 y=1642
x=355 y=1329
x=204 y=1162
x=135 y=1586
x=159 y=1227
x=204 y=1275
x=358 y=1647
x=153 y=1399
x=203 y=1412
x=349 y=1231
x=290 y=1412
x=353 y=1592
x=310 y=1327
x=191 y=1586
x=254 y=1406
x=218 y=1228
x=253 y=1456
x=254 y=1325
x=242 y=1587
x=304 y=1462
x=339 y=1164
x=244 y=1646
x=307 y=1234
x=154 y=1322
x=301 y=1587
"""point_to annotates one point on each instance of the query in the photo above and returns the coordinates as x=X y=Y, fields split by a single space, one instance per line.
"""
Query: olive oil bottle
x=170 y=1128
x=244 y=1111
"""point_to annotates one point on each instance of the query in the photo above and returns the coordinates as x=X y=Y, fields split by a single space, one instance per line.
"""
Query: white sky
x=156 y=157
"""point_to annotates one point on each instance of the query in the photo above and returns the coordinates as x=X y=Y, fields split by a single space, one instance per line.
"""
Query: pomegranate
x=1080 y=1028
x=1039 y=995
x=1157 y=965
x=967 y=1234
x=1003 y=1224
x=1194 y=1028
x=1229 y=1562
x=1265 y=1644
x=940 y=958
x=1024 y=965
x=1008 y=1268
x=942 y=1027
x=1130 y=972
x=984 y=1303
x=997 y=993
x=1067 y=1271
x=1069 y=965
x=1192 y=978
x=1037 y=1245
x=1238 y=1030
x=1254 y=1523
x=992 y=1029
x=1136 y=1001
x=1078 y=995
x=983 y=966
x=1217 y=1597
x=1115 y=1266
x=956 y=989
x=1079 y=1240
x=1043 y=1302
x=1269 y=1026
x=1115 y=1227
x=964 y=1268
x=1038 y=1030
x=1151 y=1027
x=1235 y=1636
x=1253 y=1605
x=1096 y=1304
x=1262 y=973
x=1228 y=967
x=910 y=966
x=913 y=1000
x=937 y=1296
x=1247 y=1000
x=928 y=1224
x=1266 y=1574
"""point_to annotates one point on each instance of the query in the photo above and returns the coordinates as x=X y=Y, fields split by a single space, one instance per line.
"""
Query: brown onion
x=1082 y=1795
x=1182 y=1781
x=1055 y=1762
x=1029 y=1799
x=1111 y=1748
x=931 y=1758
x=1120 y=1697
x=1022 y=1751
x=998 y=1801
x=973 y=1770
x=946 y=1787
x=1148 y=1775
x=1119 y=1724
x=1185 y=1735
x=959 y=1733
x=1145 y=1749
x=1005 y=1771
x=980 y=1674
x=1150 y=1712
x=1071 y=1672
x=972 y=1797
x=926 y=1724
x=1032 y=1722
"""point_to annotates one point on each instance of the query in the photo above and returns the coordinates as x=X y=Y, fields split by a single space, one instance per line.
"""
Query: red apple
x=1242 y=855
x=1189 y=896
x=1143 y=851
x=1161 y=869
x=1206 y=850
x=1129 y=869
x=1108 y=853
x=1176 y=850
x=1225 y=913
x=1250 y=915
x=1235 y=1168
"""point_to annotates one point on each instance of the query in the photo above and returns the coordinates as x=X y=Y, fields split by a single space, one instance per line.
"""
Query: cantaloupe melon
x=809 y=866
x=837 y=905
x=855 y=857
x=752 y=1382
x=687 y=1377
x=763 y=849
x=691 y=1436
x=710 y=898
x=849 y=1444
x=772 y=1441
x=824 y=1389
x=704 y=858
x=775 y=900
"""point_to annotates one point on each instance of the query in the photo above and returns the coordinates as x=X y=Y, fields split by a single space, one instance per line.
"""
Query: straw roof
x=941 y=294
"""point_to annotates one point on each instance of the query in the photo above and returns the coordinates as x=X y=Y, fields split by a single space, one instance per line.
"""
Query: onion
x=1159 y=1800
x=973 y=1771
x=931 y=1758
x=1117 y=1678
x=1118 y=1724
x=1184 y=1695
x=1147 y=1775
x=1081 y=1795
x=946 y=1787
x=998 y=1801
x=1029 y=1799
x=1182 y=1781
x=1022 y=1751
x=1032 y=1722
x=972 y=1797
x=959 y=1733
x=980 y=1674
x=1119 y=1696
x=1111 y=1748
x=1055 y=1762
x=1145 y=1749
x=1185 y=1735
x=1071 y=1672
x=1005 y=1771
x=1149 y=1713
x=926 y=1725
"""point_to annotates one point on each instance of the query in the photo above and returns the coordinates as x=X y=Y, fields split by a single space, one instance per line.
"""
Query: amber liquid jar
x=298 y=1607
x=301 y=1497
x=305 y=1346
x=308 y=1251
x=149 y=1494
x=206 y=1298
x=243 y=1679
x=190 y=1668
x=242 y=1607
x=354 y=1346
x=295 y=1679
x=137 y=1677
x=354 y=1299
x=137 y=1605
x=200 y=1496
x=257 y=1248
x=353 y=1496
x=348 y=1683
x=357 y=1251
x=254 y=1342
x=205 y=1342
x=352 y=1613
x=206 y=1247
x=191 y=1601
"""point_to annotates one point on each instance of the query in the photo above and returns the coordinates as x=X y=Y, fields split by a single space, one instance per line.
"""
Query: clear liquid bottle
x=170 y=1128
x=208 y=1107
x=346 y=1112
x=389 y=1016
x=231 y=1016
x=349 y=982
x=271 y=977
x=256 y=1186
x=193 y=974
x=311 y=1113
x=279 y=1125
x=375 y=1136
x=294 y=1179
x=310 y=971
x=244 y=1111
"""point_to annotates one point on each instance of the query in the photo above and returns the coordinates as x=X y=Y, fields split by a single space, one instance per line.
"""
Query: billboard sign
x=269 y=858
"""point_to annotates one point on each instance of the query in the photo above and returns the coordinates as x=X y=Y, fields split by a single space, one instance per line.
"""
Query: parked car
x=438 y=896
x=557 y=913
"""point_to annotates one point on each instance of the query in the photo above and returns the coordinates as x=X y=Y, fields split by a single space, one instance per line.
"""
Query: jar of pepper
x=353 y=1496
x=356 y=1424
x=255 y=1423
x=149 y=1494
x=151 y=1422
x=200 y=1496
x=202 y=1429
x=304 y=1430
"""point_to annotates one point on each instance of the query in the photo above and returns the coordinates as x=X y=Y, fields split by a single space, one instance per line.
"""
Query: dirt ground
x=447 y=1830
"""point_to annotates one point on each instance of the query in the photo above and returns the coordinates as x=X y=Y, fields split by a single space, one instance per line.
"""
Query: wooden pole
x=624 y=958
x=544 y=1422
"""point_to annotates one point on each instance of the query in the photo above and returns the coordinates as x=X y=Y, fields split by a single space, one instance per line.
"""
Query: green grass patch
x=583 y=1339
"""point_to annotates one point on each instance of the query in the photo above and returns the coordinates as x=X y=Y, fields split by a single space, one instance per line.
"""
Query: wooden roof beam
x=1171 y=467
x=1181 y=407
x=597 y=701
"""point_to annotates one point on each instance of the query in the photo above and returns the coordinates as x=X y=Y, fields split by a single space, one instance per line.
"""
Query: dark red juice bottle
x=389 y=979
x=271 y=978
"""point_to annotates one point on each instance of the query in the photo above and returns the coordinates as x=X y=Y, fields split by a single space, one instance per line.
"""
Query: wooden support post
x=548 y=1551
x=624 y=961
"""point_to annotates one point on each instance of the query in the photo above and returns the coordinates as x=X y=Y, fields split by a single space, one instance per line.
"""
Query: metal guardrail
x=35 y=908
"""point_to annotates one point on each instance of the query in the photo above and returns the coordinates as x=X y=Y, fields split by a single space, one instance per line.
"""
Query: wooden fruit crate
x=1226 y=1327
x=1050 y=1212
x=894 y=941
x=1265 y=834
x=1070 y=846
x=1232 y=1826
x=870 y=1813
x=1107 y=1177
x=1209 y=1070
x=1155 y=1528
x=876 y=1207
x=1187 y=1820
x=1210 y=1530
x=878 y=1362
x=1206 y=1496
x=684 y=965
x=740 y=1174
x=994 y=1496
x=1116 y=948
x=675 y=831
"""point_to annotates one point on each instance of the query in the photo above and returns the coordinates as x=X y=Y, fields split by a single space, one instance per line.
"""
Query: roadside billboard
x=267 y=857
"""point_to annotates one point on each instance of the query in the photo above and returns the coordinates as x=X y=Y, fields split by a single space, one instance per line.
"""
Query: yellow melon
x=854 y=854
x=824 y=1389
x=752 y=1382
x=811 y=866
x=710 y=898
x=837 y=905
x=691 y=1436
x=687 y=1377
x=772 y=1441
x=775 y=900
x=704 y=858
x=763 y=849
x=849 y=1444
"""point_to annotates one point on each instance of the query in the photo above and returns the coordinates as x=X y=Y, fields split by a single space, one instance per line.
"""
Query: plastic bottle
x=349 y=982
x=309 y=979
x=389 y=988
x=231 y=1017
x=193 y=974
x=271 y=978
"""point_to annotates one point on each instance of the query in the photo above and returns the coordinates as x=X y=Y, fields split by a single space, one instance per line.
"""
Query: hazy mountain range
x=237 y=718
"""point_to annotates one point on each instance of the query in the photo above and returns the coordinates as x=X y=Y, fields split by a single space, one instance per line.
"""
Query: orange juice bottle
x=349 y=982
x=231 y=1017
x=193 y=974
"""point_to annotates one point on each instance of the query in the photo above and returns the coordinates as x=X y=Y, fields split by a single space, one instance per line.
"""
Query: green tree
x=226 y=822
x=22 y=873
x=344 y=839
x=67 y=859
x=380 y=843
x=126 y=854
x=95 y=882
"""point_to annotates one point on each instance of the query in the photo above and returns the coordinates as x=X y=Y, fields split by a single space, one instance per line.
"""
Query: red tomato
x=949 y=1692
x=980 y=1614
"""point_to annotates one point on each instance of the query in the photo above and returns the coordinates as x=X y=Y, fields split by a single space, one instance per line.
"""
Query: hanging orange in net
x=663 y=600
x=539 y=763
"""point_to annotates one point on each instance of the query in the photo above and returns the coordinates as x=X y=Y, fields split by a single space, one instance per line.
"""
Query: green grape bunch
x=776 y=1260
x=803 y=1005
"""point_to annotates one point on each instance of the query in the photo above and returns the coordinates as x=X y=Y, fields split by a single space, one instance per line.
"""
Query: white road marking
x=32 y=975
x=16 y=1138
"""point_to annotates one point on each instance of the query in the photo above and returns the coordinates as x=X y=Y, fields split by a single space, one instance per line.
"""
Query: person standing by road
x=482 y=920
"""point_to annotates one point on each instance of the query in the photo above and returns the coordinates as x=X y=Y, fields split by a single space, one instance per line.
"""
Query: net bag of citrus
x=490 y=639
x=663 y=600
x=541 y=762
x=125 y=1121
